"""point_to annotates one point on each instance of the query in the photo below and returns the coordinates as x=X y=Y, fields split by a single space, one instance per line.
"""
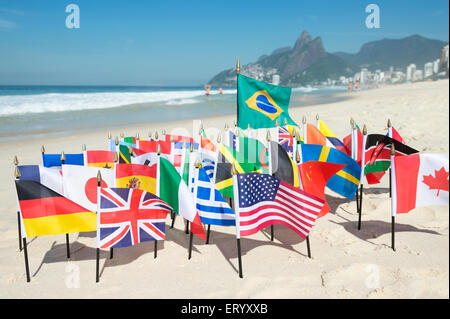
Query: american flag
x=286 y=140
x=130 y=216
x=264 y=200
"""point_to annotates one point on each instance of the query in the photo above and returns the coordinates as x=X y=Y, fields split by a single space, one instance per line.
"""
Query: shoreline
x=217 y=106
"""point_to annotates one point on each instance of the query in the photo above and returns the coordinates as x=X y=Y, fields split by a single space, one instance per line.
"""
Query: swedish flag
x=260 y=104
x=346 y=181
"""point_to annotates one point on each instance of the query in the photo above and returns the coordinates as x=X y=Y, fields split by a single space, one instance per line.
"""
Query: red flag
x=314 y=176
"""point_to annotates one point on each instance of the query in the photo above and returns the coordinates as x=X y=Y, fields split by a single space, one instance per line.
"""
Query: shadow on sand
x=226 y=243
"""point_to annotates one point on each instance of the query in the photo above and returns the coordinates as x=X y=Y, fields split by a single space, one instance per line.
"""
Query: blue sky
x=145 y=42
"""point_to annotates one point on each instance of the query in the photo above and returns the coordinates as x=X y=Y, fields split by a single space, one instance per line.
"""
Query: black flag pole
x=25 y=253
x=389 y=125
x=63 y=159
x=393 y=198
x=236 y=213
x=208 y=233
x=191 y=236
x=97 y=261
x=17 y=176
x=172 y=213
x=268 y=138
x=308 y=246
x=156 y=249
x=23 y=240
x=361 y=188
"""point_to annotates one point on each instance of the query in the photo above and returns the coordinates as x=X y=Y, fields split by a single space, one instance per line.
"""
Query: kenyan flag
x=377 y=157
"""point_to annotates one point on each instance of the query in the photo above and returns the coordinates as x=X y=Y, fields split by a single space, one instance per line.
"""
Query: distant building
x=428 y=70
x=275 y=79
x=417 y=76
x=436 y=66
x=410 y=70
x=364 y=76
x=443 y=67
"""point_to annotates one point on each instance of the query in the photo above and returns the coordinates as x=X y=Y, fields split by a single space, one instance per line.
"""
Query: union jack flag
x=129 y=216
x=286 y=140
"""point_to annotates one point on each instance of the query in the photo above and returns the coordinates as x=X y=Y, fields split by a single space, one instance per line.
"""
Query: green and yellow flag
x=260 y=104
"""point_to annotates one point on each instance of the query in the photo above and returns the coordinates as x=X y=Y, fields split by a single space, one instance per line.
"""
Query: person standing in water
x=350 y=85
x=208 y=89
x=220 y=91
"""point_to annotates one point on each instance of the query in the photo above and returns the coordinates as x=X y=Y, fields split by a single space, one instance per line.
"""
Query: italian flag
x=173 y=190
x=419 y=180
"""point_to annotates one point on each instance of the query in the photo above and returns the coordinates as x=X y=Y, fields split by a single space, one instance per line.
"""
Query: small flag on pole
x=263 y=200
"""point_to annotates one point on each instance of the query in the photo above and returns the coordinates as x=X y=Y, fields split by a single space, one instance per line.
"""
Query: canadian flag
x=419 y=180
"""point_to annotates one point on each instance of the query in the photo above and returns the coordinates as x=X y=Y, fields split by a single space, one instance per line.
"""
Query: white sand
x=346 y=263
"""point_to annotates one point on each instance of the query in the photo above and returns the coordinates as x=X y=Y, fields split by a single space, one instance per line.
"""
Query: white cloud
x=5 y=24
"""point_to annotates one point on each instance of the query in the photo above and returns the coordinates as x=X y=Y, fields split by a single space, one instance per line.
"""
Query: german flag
x=45 y=212
x=103 y=159
x=136 y=176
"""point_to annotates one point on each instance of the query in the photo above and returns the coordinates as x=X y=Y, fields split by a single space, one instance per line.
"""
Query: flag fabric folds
x=127 y=217
x=80 y=184
x=314 y=136
x=208 y=156
x=49 y=177
x=262 y=200
x=346 y=181
x=45 y=212
x=136 y=176
x=212 y=207
x=282 y=166
x=260 y=104
x=332 y=139
x=377 y=158
x=174 y=191
x=314 y=176
x=104 y=159
x=54 y=160
x=419 y=180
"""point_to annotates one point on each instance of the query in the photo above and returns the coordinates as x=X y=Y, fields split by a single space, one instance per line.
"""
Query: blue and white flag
x=49 y=177
x=212 y=207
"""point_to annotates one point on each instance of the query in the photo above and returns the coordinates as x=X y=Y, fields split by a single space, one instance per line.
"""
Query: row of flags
x=280 y=182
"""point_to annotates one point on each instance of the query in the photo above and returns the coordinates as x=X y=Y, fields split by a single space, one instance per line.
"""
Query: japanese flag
x=80 y=184
x=419 y=180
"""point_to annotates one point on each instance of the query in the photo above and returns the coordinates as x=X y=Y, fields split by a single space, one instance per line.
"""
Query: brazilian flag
x=260 y=104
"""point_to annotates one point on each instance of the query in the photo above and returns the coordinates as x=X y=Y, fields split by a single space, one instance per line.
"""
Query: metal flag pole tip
x=117 y=141
x=63 y=156
x=304 y=120
x=42 y=149
x=17 y=173
x=83 y=147
x=158 y=149
x=389 y=124
x=15 y=161
x=109 y=135
x=99 y=177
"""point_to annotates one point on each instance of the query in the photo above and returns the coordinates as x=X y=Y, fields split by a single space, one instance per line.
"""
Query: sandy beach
x=345 y=263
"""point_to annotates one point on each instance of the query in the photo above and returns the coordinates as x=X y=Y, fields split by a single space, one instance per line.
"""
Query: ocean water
x=28 y=112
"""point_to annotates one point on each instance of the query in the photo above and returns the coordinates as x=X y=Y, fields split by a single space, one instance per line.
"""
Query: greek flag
x=211 y=206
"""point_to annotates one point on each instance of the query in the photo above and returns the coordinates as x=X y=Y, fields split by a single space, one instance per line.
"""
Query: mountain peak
x=303 y=39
